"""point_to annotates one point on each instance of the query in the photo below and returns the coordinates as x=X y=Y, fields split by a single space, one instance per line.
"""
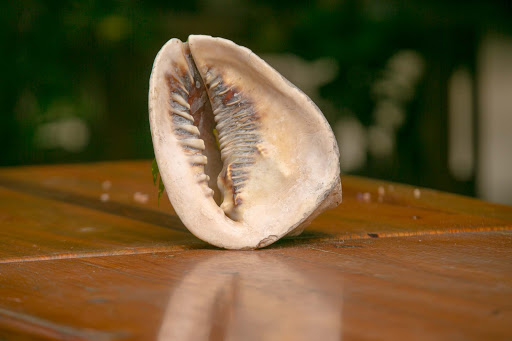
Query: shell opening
x=217 y=127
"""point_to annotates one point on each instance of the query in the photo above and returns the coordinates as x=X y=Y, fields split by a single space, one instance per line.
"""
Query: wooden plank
x=73 y=266
x=369 y=208
x=121 y=180
x=430 y=287
x=85 y=186
x=34 y=228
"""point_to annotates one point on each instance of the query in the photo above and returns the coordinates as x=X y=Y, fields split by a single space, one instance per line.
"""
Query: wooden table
x=82 y=256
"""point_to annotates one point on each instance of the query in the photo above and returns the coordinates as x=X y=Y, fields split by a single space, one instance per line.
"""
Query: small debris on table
x=381 y=191
x=366 y=196
x=104 y=197
x=417 y=193
x=106 y=185
x=141 y=198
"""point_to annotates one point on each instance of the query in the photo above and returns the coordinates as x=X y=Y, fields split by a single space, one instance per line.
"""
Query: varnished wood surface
x=392 y=262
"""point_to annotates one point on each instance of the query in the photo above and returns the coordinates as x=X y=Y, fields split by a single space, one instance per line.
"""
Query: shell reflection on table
x=87 y=254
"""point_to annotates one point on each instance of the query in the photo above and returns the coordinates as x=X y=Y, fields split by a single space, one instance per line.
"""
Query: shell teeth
x=193 y=143
x=237 y=142
x=182 y=114
x=217 y=111
x=179 y=81
x=180 y=100
x=236 y=101
x=223 y=92
x=209 y=192
x=183 y=87
x=208 y=77
x=203 y=178
x=191 y=75
x=198 y=159
x=214 y=84
x=192 y=129
x=236 y=123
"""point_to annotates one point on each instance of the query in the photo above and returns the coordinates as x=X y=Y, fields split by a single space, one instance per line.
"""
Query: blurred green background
x=416 y=91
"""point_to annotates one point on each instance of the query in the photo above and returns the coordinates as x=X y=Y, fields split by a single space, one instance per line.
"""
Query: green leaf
x=160 y=189
x=154 y=171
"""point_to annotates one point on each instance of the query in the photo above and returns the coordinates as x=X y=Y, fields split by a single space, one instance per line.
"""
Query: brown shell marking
x=237 y=126
x=236 y=119
x=182 y=94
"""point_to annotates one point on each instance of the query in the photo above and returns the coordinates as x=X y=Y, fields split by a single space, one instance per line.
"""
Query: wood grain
x=450 y=286
x=394 y=210
x=33 y=228
x=392 y=262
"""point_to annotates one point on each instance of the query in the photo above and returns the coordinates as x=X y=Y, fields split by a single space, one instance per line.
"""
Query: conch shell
x=246 y=157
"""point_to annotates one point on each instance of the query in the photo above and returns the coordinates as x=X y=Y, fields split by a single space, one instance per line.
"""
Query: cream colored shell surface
x=279 y=156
